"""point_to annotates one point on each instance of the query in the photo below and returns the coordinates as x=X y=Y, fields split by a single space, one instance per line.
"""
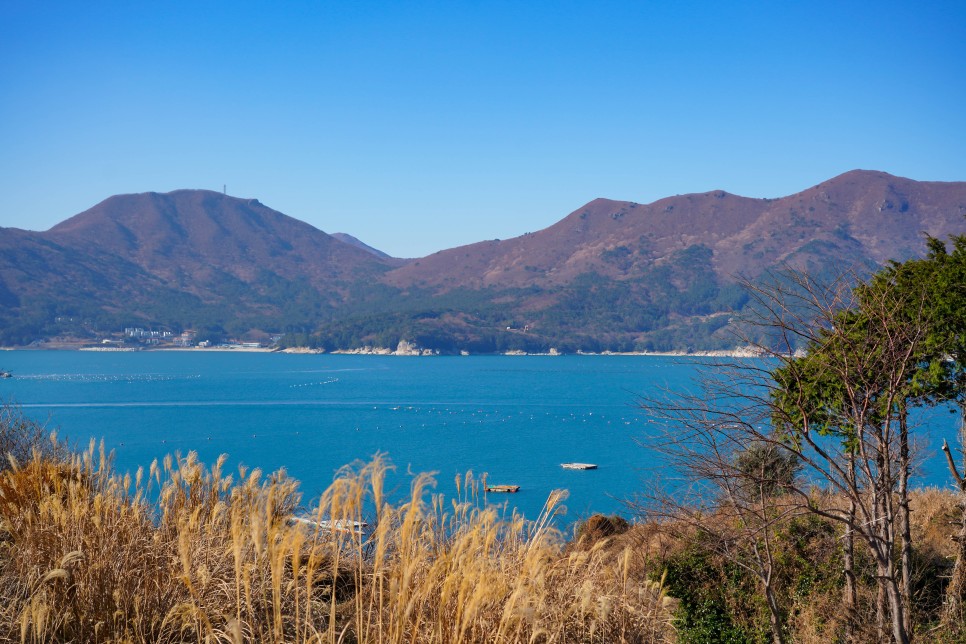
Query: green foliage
x=933 y=292
x=708 y=592
x=924 y=299
x=809 y=558
x=214 y=334
x=772 y=469
x=617 y=255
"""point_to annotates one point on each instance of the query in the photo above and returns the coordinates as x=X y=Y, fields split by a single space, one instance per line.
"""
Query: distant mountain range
x=612 y=275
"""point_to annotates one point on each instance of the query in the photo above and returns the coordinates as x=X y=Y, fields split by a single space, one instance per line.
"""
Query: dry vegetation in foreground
x=720 y=601
x=188 y=553
x=185 y=552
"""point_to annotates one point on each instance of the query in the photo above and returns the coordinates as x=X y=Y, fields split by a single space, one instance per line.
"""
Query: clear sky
x=418 y=126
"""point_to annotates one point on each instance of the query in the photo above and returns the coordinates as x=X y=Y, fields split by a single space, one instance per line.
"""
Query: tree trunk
x=899 y=633
x=850 y=598
x=881 y=534
x=765 y=564
x=953 y=616
x=890 y=602
x=905 y=534
x=777 y=633
x=880 y=612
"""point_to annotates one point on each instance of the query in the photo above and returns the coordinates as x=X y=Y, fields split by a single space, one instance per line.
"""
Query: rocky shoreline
x=404 y=348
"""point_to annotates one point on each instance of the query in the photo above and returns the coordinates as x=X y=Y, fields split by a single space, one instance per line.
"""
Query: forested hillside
x=612 y=275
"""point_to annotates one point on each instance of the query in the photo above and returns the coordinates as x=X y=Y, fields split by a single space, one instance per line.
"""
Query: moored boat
x=325 y=526
x=502 y=488
x=579 y=466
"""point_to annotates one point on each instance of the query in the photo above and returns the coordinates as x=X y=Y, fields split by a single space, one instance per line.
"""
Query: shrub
x=21 y=436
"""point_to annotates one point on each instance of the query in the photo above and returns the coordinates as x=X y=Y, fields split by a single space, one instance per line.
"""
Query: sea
x=515 y=419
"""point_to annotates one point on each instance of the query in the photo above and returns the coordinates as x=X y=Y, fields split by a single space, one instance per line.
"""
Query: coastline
x=745 y=352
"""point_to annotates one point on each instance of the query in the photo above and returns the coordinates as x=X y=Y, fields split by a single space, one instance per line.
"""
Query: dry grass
x=808 y=575
x=187 y=553
x=934 y=513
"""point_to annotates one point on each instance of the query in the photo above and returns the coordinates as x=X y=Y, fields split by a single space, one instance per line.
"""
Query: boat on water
x=5 y=374
x=325 y=526
x=502 y=488
x=579 y=466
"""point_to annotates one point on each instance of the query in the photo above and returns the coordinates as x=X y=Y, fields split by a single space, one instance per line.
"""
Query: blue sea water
x=514 y=418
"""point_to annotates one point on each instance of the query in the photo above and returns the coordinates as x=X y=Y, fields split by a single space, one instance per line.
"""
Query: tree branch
x=952 y=467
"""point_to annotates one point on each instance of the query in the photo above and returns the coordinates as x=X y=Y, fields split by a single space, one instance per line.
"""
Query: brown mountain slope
x=185 y=259
x=32 y=266
x=358 y=243
x=611 y=275
x=184 y=236
x=858 y=217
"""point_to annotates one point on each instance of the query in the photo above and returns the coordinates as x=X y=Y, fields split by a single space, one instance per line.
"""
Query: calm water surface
x=514 y=418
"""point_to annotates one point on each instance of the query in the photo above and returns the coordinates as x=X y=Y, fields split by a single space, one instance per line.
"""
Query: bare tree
x=729 y=492
x=839 y=410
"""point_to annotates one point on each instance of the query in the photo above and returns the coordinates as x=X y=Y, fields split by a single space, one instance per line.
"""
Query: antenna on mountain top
x=224 y=189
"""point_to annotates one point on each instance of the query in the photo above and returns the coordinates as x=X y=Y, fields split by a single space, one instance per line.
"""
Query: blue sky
x=418 y=126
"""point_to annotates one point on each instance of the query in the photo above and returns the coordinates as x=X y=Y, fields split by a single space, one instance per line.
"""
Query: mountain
x=622 y=275
x=611 y=275
x=352 y=241
x=187 y=258
x=859 y=216
x=187 y=236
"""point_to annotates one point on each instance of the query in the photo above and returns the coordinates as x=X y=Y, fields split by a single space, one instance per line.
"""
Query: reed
x=185 y=552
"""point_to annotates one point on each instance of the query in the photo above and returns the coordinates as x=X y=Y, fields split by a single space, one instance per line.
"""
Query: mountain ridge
x=611 y=274
x=728 y=221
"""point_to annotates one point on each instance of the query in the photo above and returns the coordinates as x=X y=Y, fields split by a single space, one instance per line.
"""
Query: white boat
x=359 y=528
x=579 y=466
